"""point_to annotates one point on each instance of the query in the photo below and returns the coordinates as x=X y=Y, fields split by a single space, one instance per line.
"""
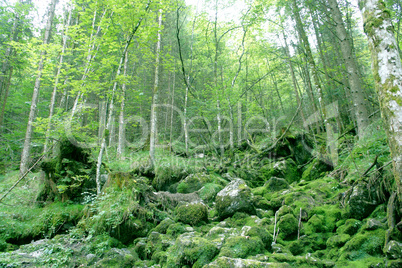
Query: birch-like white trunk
x=152 y=139
x=35 y=95
x=122 y=136
x=387 y=70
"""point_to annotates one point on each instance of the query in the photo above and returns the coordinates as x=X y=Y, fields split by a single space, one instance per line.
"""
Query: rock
x=192 y=213
x=209 y=191
x=262 y=233
x=315 y=169
x=337 y=241
x=193 y=182
x=276 y=184
x=283 y=210
x=315 y=224
x=393 y=249
x=373 y=224
x=288 y=226
x=285 y=168
x=226 y=262
x=362 y=201
x=242 y=247
x=350 y=227
x=191 y=249
x=163 y=226
x=235 y=197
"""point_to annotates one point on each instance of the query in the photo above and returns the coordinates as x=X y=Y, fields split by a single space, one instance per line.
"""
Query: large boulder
x=192 y=213
x=191 y=249
x=235 y=197
x=362 y=201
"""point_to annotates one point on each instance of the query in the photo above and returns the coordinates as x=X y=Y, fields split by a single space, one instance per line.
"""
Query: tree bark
x=310 y=59
x=152 y=140
x=387 y=70
x=35 y=96
x=122 y=136
x=56 y=82
x=7 y=55
x=360 y=109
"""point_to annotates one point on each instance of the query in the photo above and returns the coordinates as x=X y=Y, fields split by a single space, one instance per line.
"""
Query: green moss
x=208 y=192
x=337 y=241
x=363 y=244
x=350 y=227
x=242 y=247
x=288 y=226
x=316 y=224
x=191 y=250
x=176 y=229
x=163 y=226
x=193 y=214
x=262 y=233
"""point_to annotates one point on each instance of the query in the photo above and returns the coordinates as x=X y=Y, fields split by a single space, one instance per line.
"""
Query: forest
x=200 y=133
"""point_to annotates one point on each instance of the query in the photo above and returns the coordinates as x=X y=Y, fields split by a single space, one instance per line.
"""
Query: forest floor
x=258 y=206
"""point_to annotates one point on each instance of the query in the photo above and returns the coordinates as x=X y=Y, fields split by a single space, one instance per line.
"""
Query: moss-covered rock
x=192 y=250
x=350 y=227
x=164 y=225
x=362 y=201
x=242 y=247
x=276 y=184
x=195 y=182
x=193 y=213
x=315 y=169
x=285 y=168
x=283 y=210
x=176 y=229
x=337 y=241
x=316 y=224
x=260 y=232
x=363 y=244
x=394 y=249
x=209 y=191
x=235 y=197
x=226 y=262
x=288 y=226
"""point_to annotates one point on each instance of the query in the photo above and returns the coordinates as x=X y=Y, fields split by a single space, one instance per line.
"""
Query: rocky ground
x=286 y=210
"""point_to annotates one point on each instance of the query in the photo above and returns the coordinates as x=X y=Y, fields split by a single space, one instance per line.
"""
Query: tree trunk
x=7 y=55
x=35 y=96
x=122 y=136
x=387 y=70
x=360 y=109
x=294 y=81
x=152 y=141
x=310 y=59
x=53 y=98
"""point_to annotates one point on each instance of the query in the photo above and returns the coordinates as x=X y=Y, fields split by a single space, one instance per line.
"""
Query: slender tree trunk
x=56 y=82
x=171 y=110
x=122 y=136
x=7 y=56
x=111 y=104
x=310 y=59
x=387 y=70
x=35 y=96
x=294 y=81
x=360 y=109
x=89 y=59
x=152 y=141
x=7 y=87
